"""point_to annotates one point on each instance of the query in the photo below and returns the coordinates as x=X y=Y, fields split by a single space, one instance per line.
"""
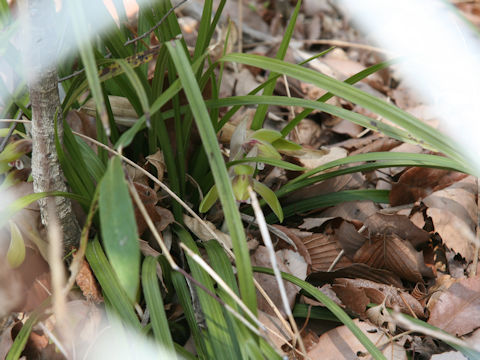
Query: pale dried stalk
x=262 y=225
x=42 y=82
x=57 y=270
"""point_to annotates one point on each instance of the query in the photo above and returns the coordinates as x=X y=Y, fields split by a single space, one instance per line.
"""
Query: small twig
x=54 y=339
x=152 y=227
x=144 y=35
x=273 y=229
x=11 y=130
x=7 y=137
x=18 y=121
x=337 y=259
x=402 y=320
x=55 y=261
x=273 y=260
x=78 y=72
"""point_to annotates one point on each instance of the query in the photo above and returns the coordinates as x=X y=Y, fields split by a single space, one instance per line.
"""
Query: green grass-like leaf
x=217 y=165
x=325 y=200
x=116 y=295
x=119 y=229
x=330 y=305
x=261 y=112
x=153 y=297
x=413 y=126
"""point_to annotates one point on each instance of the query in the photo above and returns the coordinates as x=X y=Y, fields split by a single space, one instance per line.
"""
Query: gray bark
x=43 y=85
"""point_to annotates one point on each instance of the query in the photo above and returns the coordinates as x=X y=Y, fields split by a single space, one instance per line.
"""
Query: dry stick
x=43 y=86
x=55 y=261
x=15 y=121
x=152 y=227
x=76 y=264
x=54 y=339
x=10 y=131
x=273 y=260
x=144 y=35
x=191 y=212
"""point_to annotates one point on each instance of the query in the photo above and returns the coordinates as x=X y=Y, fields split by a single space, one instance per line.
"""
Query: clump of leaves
x=262 y=143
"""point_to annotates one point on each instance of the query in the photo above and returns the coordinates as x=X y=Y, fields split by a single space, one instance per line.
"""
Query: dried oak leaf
x=349 y=239
x=454 y=210
x=352 y=211
x=398 y=224
x=457 y=310
x=417 y=183
x=340 y=343
x=390 y=252
x=356 y=294
x=323 y=250
x=261 y=258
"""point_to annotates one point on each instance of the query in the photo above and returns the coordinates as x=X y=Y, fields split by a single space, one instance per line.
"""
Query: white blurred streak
x=443 y=59
x=60 y=34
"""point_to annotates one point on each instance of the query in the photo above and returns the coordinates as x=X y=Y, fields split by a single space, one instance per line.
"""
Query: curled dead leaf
x=88 y=284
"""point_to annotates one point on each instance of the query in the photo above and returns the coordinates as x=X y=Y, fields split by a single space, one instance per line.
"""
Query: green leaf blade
x=119 y=229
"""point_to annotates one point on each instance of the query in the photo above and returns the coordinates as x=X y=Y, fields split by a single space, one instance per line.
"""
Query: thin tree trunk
x=43 y=85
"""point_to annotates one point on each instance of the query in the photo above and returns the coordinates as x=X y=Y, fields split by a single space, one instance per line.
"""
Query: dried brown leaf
x=392 y=253
x=352 y=296
x=261 y=258
x=351 y=211
x=349 y=239
x=376 y=293
x=323 y=250
x=417 y=183
x=340 y=343
x=457 y=310
x=454 y=211
x=398 y=224
x=88 y=284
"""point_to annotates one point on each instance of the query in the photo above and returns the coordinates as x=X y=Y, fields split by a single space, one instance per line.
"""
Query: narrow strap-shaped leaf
x=412 y=125
x=334 y=308
x=119 y=229
x=153 y=297
x=21 y=340
x=325 y=200
x=217 y=165
x=324 y=98
x=221 y=340
x=259 y=117
x=274 y=162
x=110 y=284
x=79 y=24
